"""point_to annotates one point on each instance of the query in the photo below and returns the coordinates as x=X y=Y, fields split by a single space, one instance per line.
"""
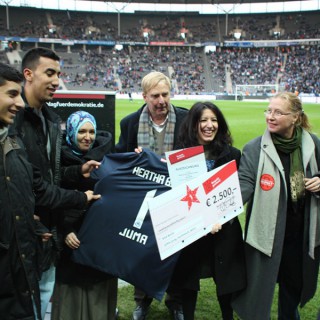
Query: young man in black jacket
x=154 y=126
x=39 y=129
x=20 y=187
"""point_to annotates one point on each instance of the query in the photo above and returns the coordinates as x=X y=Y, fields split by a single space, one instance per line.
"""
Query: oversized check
x=188 y=212
x=185 y=164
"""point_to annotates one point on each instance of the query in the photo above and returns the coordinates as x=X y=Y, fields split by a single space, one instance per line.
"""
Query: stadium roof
x=211 y=6
x=196 y=1
x=172 y=6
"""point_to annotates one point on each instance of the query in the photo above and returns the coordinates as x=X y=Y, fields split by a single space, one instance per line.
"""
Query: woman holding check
x=219 y=254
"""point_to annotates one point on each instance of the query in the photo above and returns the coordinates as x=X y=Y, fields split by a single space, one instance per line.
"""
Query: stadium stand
x=199 y=28
x=94 y=67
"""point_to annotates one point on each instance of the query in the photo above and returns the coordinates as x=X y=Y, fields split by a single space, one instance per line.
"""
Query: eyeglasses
x=276 y=113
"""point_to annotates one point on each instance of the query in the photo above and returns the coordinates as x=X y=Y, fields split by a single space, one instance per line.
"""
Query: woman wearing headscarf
x=81 y=293
x=280 y=180
x=219 y=254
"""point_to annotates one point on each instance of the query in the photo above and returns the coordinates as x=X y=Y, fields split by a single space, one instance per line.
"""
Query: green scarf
x=293 y=147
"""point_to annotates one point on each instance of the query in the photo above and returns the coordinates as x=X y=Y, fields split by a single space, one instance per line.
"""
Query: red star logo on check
x=191 y=197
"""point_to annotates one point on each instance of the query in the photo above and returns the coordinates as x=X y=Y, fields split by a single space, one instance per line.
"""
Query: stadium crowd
x=120 y=70
x=94 y=26
x=294 y=69
x=191 y=70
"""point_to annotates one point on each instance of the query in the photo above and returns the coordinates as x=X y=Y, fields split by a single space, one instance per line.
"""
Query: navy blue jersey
x=117 y=235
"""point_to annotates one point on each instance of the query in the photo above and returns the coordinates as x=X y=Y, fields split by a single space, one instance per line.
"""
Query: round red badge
x=266 y=182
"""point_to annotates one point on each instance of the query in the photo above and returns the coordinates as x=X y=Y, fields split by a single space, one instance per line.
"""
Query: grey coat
x=262 y=271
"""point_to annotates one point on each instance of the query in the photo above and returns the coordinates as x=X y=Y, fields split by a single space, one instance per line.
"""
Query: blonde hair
x=296 y=107
x=152 y=79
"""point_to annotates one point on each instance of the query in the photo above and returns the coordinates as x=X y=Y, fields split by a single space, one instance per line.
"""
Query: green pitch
x=245 y=118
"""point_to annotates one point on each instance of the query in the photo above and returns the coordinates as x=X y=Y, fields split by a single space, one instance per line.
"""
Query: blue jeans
x=46 y=285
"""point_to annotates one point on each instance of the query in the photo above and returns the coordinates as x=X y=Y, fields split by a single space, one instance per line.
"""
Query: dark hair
x=188 y=134
x=8 y=73
x=32 y=57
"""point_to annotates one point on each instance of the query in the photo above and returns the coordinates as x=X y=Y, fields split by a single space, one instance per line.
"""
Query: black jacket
x=29 y=128
x=18 y=276
x=129 y=127
x=67 y=271
x=19 y=186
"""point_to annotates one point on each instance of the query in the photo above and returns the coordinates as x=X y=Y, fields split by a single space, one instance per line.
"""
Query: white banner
x=188 y=212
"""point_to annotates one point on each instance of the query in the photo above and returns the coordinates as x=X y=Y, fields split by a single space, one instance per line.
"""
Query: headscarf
x=75 y=121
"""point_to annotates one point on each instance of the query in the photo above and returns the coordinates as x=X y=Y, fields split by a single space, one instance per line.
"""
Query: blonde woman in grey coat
x=280 y=180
